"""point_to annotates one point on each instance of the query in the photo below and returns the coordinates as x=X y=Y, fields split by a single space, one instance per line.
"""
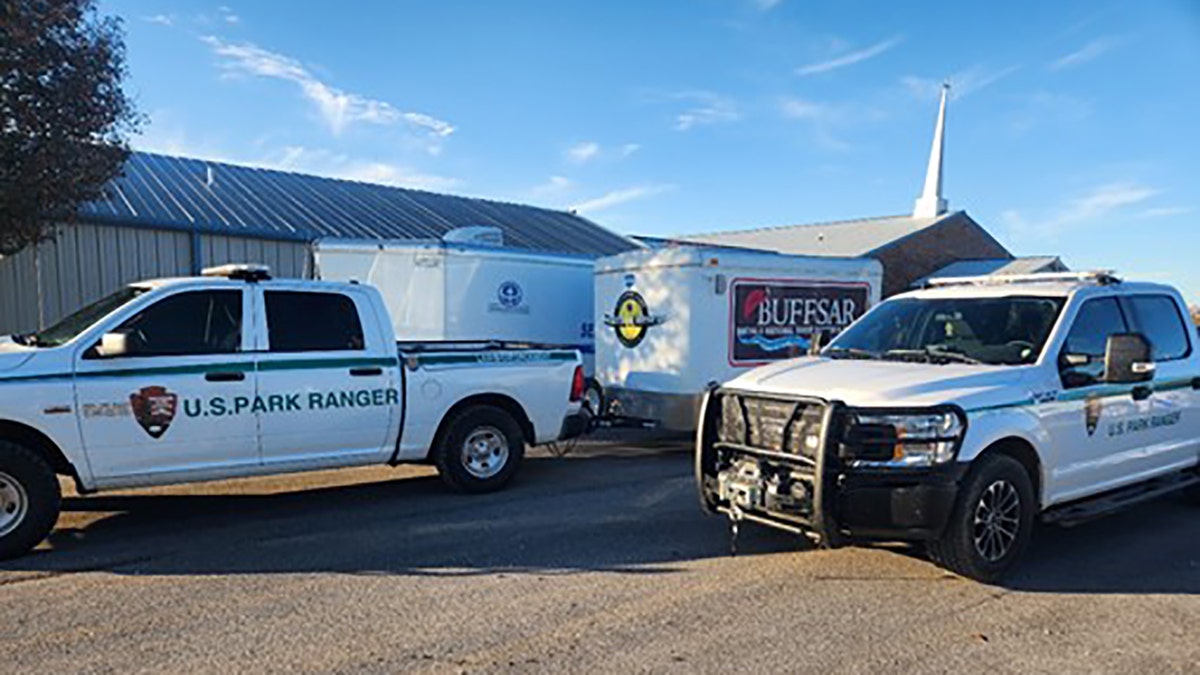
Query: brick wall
x=955 y=238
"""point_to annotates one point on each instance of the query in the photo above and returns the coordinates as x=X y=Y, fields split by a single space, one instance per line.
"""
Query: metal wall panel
x=287 y=259
x=82 y=264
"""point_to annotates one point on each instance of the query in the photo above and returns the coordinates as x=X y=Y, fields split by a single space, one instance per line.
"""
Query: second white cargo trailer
x=447 y=291
x=671 y=320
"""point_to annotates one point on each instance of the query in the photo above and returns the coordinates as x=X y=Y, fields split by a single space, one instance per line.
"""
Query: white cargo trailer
x=672 y=320
x=448 y=291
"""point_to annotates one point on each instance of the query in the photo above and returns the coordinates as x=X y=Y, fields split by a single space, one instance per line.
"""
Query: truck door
x=1164 y=427
x=177 y=400
x=1083 y=423
x=327 y=389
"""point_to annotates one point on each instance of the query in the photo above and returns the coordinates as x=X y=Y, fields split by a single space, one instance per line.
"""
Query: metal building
x=172 y=216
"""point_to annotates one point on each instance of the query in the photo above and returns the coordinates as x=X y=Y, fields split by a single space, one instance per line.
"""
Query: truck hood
x=889 y=383
x=11 y=359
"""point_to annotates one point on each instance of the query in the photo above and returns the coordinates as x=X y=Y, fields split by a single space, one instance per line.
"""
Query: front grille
x=775 y=425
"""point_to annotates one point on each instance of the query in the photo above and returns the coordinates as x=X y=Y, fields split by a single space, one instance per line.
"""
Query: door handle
x=366 y=372
x=1142 y=392
x=232 y=376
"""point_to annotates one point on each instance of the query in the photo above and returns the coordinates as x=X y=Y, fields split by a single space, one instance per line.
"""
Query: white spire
x=931 y=203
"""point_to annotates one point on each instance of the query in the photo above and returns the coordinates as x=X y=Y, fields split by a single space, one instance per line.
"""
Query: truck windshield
x=993 y=331
x=73 y=324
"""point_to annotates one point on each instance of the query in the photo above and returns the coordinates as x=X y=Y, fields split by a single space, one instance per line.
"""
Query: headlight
x=902 y=439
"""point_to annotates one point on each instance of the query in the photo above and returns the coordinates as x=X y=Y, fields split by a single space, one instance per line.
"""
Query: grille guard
x=823 y=524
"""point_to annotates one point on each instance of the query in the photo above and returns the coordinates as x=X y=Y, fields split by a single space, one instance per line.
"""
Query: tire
x=593 y=398
x=979 y=551
x=480 y=449
x=30 y=499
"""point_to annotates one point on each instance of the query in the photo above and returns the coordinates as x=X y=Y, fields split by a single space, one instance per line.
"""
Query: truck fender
x=1015 y=432
x=502 y=401
x=42 y=444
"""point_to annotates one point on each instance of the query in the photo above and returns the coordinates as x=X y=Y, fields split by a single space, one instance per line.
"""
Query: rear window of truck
x=302 y=321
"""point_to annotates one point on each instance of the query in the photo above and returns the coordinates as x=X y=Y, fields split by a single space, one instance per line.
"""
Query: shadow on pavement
x=603 y=509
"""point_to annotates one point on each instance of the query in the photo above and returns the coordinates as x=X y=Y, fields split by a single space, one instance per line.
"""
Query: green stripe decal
x=493 y=358
x=319 y=364
x=1097 y=391
x=285 y=364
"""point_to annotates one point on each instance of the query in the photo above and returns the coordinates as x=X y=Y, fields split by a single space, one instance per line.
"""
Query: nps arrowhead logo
x=154 y=409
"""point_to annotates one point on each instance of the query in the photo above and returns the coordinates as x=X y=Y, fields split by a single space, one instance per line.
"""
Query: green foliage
x=64 y=118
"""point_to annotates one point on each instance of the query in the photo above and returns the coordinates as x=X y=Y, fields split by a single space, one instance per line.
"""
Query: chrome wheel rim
x=485 y=452
x=14 y=504
x=997 y=520
x=591 y=400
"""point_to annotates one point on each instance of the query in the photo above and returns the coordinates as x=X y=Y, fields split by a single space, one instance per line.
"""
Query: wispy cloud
x=707 y=108
x=622 y=196
x=583 y=152
x=339 y=109
x=850 y=58
x=1088 y=52
x=629 y=148
x=554 y=186
x=766 y=5
x=1088 y=209
x=228 y=15
x=161 y=19
x=962 y=84
x=824 y=119
x=1167 y=211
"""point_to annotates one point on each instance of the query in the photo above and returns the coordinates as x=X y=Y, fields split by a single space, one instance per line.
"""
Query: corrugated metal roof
x=160 y=191
x=846 y=238
x=978 y=268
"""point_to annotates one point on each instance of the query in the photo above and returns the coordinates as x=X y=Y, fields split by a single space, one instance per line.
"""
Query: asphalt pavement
x=598 y=562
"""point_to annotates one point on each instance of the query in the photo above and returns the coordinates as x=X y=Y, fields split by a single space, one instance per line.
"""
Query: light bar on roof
x=1101 y=277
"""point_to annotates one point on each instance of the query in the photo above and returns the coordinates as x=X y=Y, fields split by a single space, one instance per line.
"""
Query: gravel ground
x=599 y=562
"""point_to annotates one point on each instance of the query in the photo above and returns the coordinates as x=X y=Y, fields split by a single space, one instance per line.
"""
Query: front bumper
x=896 y=506
x=818 y=494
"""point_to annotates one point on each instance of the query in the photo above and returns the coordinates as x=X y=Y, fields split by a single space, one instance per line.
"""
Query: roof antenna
x=208 y=177
x=931 y=203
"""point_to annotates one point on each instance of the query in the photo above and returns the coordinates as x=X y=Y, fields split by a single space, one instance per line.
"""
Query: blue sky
x=1072 y=129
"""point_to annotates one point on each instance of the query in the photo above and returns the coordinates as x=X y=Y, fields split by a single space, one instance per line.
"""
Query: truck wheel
x=29 y=499
x=480 y=450
x=991 y=522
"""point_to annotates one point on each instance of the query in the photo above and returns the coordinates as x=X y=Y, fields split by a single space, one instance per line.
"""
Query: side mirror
x=114 y=344
x=1127 y=359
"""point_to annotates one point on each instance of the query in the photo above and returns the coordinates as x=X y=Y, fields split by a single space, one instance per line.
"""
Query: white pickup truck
x=234 y=374
x=958 y=414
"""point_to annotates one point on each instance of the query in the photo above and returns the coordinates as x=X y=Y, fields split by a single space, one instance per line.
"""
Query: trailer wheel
x=481 y=449
x=991 y=523
x=593 y=398
x=30 y=499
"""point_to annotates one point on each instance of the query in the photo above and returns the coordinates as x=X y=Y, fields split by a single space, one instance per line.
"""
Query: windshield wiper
x=848 y=352
x=929 y=354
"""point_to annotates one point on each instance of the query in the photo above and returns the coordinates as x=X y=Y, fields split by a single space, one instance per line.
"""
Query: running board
x=1073 y=514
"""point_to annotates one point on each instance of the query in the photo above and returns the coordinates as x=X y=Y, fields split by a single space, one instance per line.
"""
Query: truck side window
x=1097 y=319
x=303 y=321
x=195 y=322
x=1157 y=317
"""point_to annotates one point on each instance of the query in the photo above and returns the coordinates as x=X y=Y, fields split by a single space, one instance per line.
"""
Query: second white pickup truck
x=957 y=415
x=234 y=374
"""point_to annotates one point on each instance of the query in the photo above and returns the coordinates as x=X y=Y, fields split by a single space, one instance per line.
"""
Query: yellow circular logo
x=631 y=318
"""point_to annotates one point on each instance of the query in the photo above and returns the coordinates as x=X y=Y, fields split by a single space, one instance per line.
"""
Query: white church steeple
x=931 y=203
